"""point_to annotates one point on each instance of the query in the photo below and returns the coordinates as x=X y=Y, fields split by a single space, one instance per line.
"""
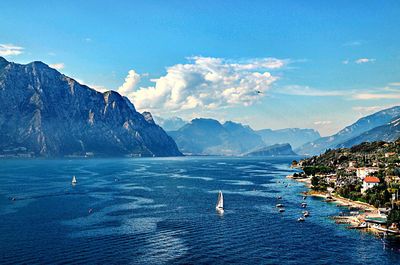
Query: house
x=390 y=154
x=352 y=164
x=369 y=182
x=362 y=172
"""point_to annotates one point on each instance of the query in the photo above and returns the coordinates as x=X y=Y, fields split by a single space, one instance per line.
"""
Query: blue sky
x=317 y=64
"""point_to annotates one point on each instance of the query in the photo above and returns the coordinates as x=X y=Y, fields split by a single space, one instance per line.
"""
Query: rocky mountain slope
x=45 y=113
x=359 y=127
x=388 y=133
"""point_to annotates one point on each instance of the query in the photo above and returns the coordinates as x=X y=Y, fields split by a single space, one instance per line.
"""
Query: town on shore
x=365 y=178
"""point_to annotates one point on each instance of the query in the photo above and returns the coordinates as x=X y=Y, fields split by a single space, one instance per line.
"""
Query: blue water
x=157 y=211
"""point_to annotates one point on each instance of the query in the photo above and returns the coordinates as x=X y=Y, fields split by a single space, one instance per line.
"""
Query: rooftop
x=370 y=179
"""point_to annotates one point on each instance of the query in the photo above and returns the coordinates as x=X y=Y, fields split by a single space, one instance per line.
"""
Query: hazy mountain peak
x=344 y=136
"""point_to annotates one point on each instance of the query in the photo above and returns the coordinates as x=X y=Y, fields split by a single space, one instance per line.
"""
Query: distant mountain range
x=273 y=150
x=381 y=125
x=294 y=136
x=47 y=114
x=388 y=133
x=170 y=124
x=44 y=113
x=210 y=137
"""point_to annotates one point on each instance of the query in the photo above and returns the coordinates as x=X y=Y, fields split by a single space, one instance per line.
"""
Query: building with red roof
x=369 y=182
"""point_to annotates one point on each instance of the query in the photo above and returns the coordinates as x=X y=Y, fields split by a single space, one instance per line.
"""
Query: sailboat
x=220 y=202
x=73 y=180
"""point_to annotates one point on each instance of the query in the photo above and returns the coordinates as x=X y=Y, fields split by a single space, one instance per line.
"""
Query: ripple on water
x=127 y=227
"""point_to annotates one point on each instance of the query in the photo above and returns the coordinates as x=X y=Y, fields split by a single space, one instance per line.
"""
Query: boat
x=363 y=225
x=279 y=205
x=301 y=219
x=304 y=205
x=220 y=202
x=281 y=210
x=279 y=197
x=306 y=214
x=73 y=180
x=304 y=197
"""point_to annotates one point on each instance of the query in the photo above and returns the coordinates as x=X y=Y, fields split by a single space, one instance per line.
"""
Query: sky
x=268 y=64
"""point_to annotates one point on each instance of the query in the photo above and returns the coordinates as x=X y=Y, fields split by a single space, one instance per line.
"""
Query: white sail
x=220 y=201
x=73 y=180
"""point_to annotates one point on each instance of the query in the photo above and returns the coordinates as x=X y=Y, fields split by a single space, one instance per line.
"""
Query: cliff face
x=48 y=114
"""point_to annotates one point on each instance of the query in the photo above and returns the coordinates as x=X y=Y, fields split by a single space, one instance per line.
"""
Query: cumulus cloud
x=209 y=83
x=57 y=66
x=364 y=60
x=10 y=49
x=131 y=80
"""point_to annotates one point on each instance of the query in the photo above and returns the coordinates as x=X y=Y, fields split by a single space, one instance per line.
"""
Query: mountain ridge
x=49 y=114
x=362 y=125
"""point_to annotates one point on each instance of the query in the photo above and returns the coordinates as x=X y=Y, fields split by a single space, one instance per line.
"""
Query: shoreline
x=354 y=221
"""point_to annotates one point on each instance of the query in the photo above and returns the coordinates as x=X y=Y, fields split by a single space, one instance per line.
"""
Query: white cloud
x=10 y=49
x=364 y=60
x=322 y=122
x=394 y=84
x=346 y=62
x=208 y=83
x=368 y=96
x=131 y=80
x=57 y=66
x=309 y=91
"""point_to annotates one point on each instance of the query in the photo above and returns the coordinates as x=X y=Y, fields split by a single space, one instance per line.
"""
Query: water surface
x=162 y=211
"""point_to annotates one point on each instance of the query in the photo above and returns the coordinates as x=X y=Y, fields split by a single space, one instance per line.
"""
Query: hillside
x=47 y=114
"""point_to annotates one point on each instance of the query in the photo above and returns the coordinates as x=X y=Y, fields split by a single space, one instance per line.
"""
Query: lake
x=162 y=211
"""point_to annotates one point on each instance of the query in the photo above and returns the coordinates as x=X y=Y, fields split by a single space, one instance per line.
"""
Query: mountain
x=170 y=124
x=388 y=133
x=359 y=127
x=273 y=150
x=47 y=114
x=210 y=137
x=294 y=136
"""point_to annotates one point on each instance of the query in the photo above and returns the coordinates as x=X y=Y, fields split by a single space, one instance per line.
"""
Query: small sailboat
x=73 y=180
x=301 y=219
x=220 y=202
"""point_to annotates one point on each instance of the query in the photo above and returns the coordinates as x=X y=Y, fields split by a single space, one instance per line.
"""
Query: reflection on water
x=152 y=211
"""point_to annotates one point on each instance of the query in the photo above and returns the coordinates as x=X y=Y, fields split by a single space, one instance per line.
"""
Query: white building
x=369 y=182
x=362 y=172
